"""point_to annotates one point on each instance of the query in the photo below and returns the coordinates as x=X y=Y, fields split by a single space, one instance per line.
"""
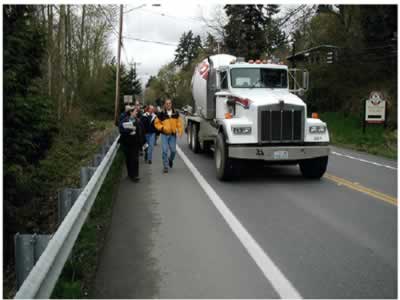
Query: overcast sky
x=163 y=24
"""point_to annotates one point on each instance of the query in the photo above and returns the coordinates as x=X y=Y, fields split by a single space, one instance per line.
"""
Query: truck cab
x=246 y=111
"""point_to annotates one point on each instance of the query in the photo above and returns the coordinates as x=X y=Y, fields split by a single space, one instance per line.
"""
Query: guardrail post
x=28 y=248
x=97 y=160
x=66 y=198
x=104 y=149
x=86 y=174
x=110 y=139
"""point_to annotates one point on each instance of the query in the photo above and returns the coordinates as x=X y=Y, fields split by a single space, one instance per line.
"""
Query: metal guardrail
x=44 y=275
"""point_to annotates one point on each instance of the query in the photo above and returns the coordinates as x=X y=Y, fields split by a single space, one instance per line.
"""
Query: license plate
x=281 y=155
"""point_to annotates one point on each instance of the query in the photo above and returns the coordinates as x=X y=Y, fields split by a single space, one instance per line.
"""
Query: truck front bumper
x=277 y=153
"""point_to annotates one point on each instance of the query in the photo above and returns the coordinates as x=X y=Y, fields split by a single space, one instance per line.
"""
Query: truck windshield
x=258 y=78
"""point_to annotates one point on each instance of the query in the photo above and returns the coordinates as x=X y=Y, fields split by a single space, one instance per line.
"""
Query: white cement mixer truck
x=245 y=111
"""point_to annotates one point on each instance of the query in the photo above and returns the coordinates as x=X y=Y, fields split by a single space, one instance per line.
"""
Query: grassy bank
x=78 y=139
x=80 y=270
x=346 y=131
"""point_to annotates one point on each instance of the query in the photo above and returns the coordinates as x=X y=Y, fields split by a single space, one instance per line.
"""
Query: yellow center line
x=358 y=187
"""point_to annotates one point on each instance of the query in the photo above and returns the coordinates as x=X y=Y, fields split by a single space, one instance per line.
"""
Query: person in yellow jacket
x=169 y=123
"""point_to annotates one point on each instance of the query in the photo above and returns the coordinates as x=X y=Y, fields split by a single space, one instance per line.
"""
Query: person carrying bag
x=131 y=141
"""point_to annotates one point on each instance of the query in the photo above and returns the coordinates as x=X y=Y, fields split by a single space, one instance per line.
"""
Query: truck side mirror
x=218 y=82
x=305 y=80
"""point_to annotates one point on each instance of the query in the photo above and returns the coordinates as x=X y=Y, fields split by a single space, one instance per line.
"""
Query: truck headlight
x=317 y=129
x=241 y=130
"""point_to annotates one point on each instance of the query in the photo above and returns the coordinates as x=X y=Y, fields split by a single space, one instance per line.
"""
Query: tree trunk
x=50 y=48
x=61 y=47
x=80 y=65
x=69 y=61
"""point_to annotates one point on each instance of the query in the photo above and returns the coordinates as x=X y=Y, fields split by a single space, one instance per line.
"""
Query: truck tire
x=194 y=133
x=189 y=135
x=223 y=165
x=314 y=168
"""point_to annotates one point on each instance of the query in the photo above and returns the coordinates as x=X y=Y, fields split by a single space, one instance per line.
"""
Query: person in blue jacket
x=131 y=140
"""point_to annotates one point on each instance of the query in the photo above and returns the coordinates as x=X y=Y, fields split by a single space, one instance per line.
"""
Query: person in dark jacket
x=131 y=141
x=148 y=119
x=139 y=115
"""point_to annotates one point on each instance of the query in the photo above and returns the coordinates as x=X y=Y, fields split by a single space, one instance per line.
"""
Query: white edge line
x=364 y=160
x=279 y=282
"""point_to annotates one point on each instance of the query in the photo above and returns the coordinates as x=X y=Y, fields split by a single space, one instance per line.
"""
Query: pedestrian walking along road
x=131 y=140
x=148 y=120
x=169 y=124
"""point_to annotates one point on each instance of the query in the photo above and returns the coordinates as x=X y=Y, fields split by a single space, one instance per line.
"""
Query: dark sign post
x=375 y=110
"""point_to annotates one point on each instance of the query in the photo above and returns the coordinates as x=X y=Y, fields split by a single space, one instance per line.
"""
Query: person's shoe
x=149 y=161
x=165 y=170
x=171 y=163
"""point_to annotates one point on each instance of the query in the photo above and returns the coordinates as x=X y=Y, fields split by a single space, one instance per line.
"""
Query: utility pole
x=116 y=107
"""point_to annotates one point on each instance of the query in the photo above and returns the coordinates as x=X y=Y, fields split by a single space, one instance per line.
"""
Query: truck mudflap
x=276 y=153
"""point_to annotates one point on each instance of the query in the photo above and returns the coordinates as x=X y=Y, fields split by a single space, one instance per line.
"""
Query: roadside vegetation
x=346 y=130
x=59 y=93
x=79 y=272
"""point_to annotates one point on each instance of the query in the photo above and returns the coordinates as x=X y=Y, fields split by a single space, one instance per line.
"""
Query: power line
x=149 y=41
x=140 y=6
x=175 y=18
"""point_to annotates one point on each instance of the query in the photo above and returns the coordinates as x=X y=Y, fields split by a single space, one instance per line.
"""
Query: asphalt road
x=332 y=238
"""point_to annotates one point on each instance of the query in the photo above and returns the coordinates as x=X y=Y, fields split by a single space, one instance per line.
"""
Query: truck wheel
x=194 y=132
x=314 y=168
x=189 y=135
x=223 y=164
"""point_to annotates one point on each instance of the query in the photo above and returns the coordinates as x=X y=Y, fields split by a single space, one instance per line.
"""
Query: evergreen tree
x=188 y=49
x=28 y=116
x=275 y=37
x=135 y=84
x=245 y=31
x=252 y=30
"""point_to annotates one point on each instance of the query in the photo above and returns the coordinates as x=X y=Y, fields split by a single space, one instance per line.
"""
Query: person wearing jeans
x=148 y=120
x=168 y=122
x=168 y=143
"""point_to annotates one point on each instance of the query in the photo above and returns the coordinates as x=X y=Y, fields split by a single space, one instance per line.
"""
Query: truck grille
x=281 y=126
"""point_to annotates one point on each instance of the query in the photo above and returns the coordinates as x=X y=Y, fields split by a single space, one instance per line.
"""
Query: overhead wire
x=175 y=18
x=140 y=6
x=150 y=41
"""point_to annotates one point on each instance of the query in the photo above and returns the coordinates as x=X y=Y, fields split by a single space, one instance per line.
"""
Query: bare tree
x=216 y=23
x=50 y=48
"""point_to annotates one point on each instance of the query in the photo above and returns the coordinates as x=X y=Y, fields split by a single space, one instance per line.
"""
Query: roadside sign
x=375 y=109
x=128 y=99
